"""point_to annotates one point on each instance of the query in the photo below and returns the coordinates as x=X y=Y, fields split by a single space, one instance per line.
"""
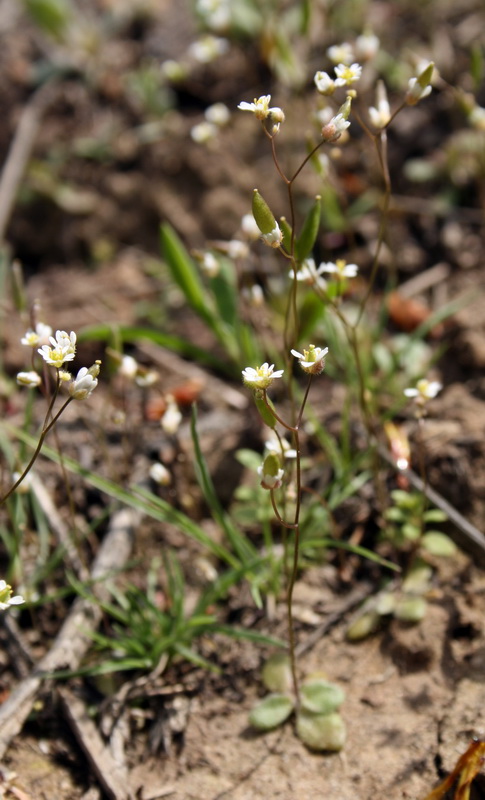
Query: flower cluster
x=63 y=349
x=420 y=86
x=261 y=109
x=312 y=275
x=346 y=75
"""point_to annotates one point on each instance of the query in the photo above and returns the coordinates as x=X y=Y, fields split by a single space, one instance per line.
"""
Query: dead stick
x=73 y=639
x=19 y=152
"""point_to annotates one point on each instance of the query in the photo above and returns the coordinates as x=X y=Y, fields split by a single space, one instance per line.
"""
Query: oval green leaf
x=320 y=696
x=271 y=712
x=321 y=731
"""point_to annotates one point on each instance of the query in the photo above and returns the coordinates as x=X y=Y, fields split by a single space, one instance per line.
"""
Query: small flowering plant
x=6 y=598
x=59 y=350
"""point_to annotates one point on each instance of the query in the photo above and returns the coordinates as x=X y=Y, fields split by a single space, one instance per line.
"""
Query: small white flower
x=218 y=114
x=210 y=265
x=279 y=446
x=341 y=53
x=270 y=481
x=259 y=107
x=312 y=360
x=335 y=128
x=172 y=418
x=274 y=237
x=254 y=295
x=424 y=390
x=30 y=379
x=250 y=228
x=340 y=268
x=63 y=349
x=346 y=75
x=84 y=384
x=476 y=118
x=237 y=249
x=128 y=367
x=261 y=377
x=420 y=87
x=203 y=132
x=208 y=48
x=39 y=336
x=324 y=83
x=159 y=473
x=147 y=378
x=173 y=70
x=309 y=274
x=380 y=115
x=6 y=598
x=366 y=46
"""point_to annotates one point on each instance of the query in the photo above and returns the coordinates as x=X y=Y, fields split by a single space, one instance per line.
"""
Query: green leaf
x=271 y=712
x=438 y=544
x=411 y=609
x=435 y=515
x=286 y=231
x=363 y=626
x=321 y=731
x=50 y=15
x=185 y=273
x=276 y=674
x=309 y=232
x=417 y=580
x=320 y=696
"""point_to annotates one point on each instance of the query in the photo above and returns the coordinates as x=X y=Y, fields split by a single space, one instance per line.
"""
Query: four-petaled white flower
x=261 y=377
x=63 y=349
x=309 y=274
x=423 y=391
x=6 y=598
x=39 y=336
x=324 y=83
x=335 y=128
x=259 y=107
x=340 y=268
x=84 y=384
x=274 y=237
x=341 y=53
x=420 y=87
x=312 y=360
x=30 y=379
x=346 y=75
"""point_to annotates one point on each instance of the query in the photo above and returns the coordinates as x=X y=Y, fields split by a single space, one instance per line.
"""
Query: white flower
x=381 y=113
x=63 y=349
x=347 y=75
x=366 y=46
x=312 y=360
x=39 y=336
x=159 y=473
x=340 y=268
x=261 y=377
x=274 y=237
x=270 y=481
x=30 y=379
x=172 y=418
x=279 y=446
x=218 y=114
x=254 y=295
x=216 y=13
x=309 y=274
x=203 y=132
x=85 y=383
x=335 y=128
x=146 y=378
x=128 y=367
x=249 y=227
x=421 y=86
x=6 y=598
x=476 y=118
x=208 y=48
x=424 y=390
x=259 y=107
x=210 y=265
x=341 y=53
x=324 y=83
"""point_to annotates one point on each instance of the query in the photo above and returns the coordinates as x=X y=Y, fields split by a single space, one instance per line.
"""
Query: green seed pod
x=309 y=232
x=262 y=214
x=286 y=231
x=264 y=411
